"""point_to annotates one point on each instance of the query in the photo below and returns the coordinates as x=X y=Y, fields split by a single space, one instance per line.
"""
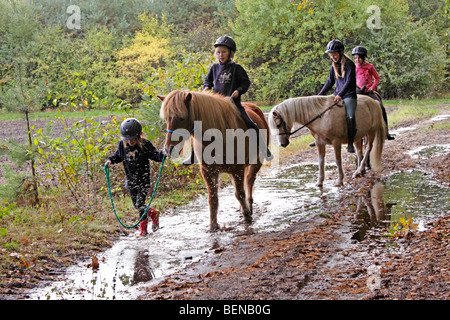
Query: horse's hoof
x=358 y=174
x=214 y=228
x=339 y=184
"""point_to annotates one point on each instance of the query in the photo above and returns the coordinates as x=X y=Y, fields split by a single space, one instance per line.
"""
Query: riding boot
x=312 y=144
x=383 y=111
x=191 y=159
x=351 y=129
x=260 y=142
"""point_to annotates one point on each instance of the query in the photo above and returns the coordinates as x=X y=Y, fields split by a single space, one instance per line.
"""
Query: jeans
x=350 y=107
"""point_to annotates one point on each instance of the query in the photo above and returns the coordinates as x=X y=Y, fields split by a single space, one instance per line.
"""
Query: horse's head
x=278 y=124
x=175 y=112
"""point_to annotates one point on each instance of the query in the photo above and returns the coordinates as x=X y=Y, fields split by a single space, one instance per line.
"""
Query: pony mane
x=214 y=110
x=300 y=109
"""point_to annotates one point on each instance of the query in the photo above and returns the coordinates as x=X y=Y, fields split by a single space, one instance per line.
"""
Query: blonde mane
x=213 y=110
x=301 y=109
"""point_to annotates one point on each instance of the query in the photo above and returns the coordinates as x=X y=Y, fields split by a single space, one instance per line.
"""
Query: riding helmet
x=226 y=41
x=335 y=46
x=359 y=50
x=130 y=129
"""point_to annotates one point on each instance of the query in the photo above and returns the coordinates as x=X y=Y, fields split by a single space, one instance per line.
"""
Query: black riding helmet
x=335 y=46
x=130 y=129
x=359 y=50
x=226 y=41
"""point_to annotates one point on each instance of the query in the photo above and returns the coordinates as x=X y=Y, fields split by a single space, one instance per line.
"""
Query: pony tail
x=336 y=72
x=377 y=148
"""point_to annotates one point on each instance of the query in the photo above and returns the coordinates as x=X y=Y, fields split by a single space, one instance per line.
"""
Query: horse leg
x=211 y=179
x=359 y=155
x=238 y=181
x=321 y=150
x=362 y=166
x=358 y=146
x=338 y=159
x=250 y=177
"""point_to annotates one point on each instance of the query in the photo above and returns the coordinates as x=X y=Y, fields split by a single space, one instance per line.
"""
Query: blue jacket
x=226 y=78
x=346 y=86
x=136 y=163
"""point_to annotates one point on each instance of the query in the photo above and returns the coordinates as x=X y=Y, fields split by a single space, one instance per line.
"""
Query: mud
x=341 y=252
x=325 y=257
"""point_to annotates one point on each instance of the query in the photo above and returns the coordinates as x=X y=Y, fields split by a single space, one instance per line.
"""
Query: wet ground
x=383 y=236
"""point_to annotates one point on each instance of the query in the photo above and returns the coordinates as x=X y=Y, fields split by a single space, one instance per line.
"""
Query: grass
x=410 y=112
x=55 y=113
x=55 y=232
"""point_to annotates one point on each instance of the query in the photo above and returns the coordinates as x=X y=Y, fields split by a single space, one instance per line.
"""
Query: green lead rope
x=148 y=206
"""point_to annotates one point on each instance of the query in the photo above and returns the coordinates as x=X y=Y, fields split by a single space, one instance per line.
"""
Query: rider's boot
x=191 y=159
x=351 y=128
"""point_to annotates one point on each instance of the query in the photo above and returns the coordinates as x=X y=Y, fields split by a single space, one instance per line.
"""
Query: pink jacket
x=364 y=75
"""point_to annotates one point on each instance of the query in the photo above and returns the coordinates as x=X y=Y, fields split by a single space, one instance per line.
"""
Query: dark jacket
x=226 y=78
x=345 y=86
x=136 y=163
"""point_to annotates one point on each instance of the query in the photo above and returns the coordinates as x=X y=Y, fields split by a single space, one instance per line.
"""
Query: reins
x=148 y=206
x=310 y=121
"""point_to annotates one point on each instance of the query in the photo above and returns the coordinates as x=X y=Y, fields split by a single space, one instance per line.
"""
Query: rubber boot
x=383 y=111
x=143 y=228
x=154 y=215
x=252 y=125
x=351 y=128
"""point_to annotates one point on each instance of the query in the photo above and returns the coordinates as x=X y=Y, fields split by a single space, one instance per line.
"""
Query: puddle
x=402 y=130
x=427 y=152
x=410 y=194
x=281 y=198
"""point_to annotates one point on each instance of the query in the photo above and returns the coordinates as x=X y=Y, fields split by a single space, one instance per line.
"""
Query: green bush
x=283 y=45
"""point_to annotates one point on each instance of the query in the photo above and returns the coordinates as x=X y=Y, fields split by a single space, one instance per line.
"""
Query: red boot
x=143 y=228
x=154 y=215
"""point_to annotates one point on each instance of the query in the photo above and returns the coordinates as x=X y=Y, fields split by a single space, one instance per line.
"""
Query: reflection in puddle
x=281 y=198
x=411 y=194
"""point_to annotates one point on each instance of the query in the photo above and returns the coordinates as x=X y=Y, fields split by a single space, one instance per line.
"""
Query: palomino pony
x=197 y=113
x=331 y=128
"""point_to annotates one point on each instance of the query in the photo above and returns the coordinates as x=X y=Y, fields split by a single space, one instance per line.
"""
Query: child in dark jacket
x=134 y=151
x=230 y=79
x=343 y=74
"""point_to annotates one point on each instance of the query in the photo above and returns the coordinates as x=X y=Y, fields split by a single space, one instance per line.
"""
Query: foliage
x=75 y=158
x=293 y=63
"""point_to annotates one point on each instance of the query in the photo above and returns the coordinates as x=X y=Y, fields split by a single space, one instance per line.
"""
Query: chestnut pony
x=195 y=113
x=331 y=128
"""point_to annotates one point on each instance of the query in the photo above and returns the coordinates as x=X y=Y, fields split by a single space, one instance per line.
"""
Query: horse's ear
x=275 y=114
x=161 y=97
x=188 y=97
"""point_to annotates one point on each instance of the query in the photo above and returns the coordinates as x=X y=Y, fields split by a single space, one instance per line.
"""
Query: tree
x=283 y=45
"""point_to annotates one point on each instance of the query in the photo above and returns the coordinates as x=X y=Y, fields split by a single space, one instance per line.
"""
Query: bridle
x=308 y=123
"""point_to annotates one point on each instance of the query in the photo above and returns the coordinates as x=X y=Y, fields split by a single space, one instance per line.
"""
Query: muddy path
x=320 y=258
x=337 y=252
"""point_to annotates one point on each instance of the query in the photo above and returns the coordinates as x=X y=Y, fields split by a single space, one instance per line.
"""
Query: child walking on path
x=135 y=152
x=367 y=80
